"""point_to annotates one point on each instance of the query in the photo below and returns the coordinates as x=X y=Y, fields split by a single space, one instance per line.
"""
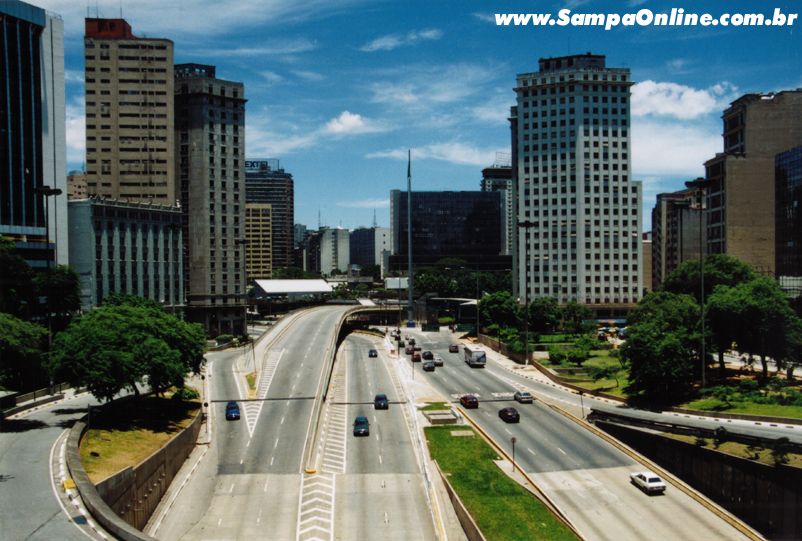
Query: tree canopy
x=21 y=347
x=660 y=347
x=499 y=308
x=720 y=269
x=119 y=346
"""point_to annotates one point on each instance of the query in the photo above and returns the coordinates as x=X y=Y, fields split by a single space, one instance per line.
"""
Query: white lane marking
x=249 y=442
x=380 y=460
x=377 y=437
x=219 y=521
x=68 y=492
x=241 y=461
x=230 y=490
x=563 y=452
x=272 y=458
x=282 y=420
x=276 y=444
x=264 y=490
x=530 y=450
x=507 y=431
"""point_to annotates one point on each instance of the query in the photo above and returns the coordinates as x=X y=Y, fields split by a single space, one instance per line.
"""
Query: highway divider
x=534 y=488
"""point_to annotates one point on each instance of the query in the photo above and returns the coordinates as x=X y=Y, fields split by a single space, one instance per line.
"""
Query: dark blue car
x=361 y=426
x=232 y=411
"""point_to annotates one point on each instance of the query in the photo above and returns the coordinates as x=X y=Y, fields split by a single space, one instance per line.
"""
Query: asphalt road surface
x=587 y=477
x=249 y=483
x=382 y=493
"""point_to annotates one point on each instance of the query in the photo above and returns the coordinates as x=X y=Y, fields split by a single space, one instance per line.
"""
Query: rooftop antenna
x=319 y=224
x=374 y=217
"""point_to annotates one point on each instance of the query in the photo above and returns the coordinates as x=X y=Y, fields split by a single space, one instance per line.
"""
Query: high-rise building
x=449 y=225
x=577 y=207
x=129 y=114
x=740 y=215
x=210 y=165
x=335 y=251
x=258 y=241
x=788 y=219
x=32 y=133
x=498 y=178
x=368 y=244
x=132 y=248
x=76 y=185
x=675 y=234
x=647 y=262
x=266 y=182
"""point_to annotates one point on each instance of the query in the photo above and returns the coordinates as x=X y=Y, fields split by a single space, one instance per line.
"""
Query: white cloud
x=393 y=41
x=308 y=75
x=73 y=76
x=452 y=152
x=486 y=17
x=495 y=110
x=650 y=98
x=275 y=49
x=419 y=88
x=76 y=131
x=348 y=123
x=201 y=18
x=271 y=76
x=677 y=64
x=673 y=148
x=365 y=204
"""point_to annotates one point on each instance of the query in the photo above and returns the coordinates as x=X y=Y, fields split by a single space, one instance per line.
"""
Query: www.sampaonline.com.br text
x=646 y=17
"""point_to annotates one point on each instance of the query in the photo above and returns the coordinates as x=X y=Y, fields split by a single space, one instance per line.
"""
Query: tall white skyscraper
x=578 y=209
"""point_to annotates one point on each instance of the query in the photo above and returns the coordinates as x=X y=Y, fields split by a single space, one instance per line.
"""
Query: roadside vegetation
x=771 y=456
x=502 y=508
x=435 y=406
x=121 y=436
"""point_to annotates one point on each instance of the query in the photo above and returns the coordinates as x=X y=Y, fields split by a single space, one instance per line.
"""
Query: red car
x=469 y=401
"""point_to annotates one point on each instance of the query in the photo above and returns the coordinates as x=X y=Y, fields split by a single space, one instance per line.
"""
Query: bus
x=475 y=356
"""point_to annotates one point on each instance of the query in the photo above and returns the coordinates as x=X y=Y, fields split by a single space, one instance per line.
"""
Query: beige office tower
x=258 y=241
x=129 y=114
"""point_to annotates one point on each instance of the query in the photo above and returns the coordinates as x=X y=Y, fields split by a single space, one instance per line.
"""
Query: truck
x=475 y=356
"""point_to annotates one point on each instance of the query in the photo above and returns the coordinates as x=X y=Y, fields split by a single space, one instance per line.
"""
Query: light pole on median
x=513 y=440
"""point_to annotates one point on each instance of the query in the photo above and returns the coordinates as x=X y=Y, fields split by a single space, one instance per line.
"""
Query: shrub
x=446 y=320
x=224 y=339
x=748 y=385
x=557 y=355
x=186 y=393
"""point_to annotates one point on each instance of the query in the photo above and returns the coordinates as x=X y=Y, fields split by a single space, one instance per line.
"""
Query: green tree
x=544 y=314
x=59 y=286
x=723 y=312
x=16 y=281
x=720 y=269
x=21 y=347
x=598 y=373
x=659 y=348
x=574 y=316
x=119 y=346
x=499 y=308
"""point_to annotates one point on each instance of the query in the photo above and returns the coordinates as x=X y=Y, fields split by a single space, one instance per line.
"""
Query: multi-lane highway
x=585 y=476
x=381 y=494
x=251 y=480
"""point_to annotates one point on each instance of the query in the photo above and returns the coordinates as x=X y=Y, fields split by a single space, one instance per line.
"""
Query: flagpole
x=410 y=309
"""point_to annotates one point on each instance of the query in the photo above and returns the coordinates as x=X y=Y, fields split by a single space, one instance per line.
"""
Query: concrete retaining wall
x=124 y=502
x=767 y=498
x=472 y=531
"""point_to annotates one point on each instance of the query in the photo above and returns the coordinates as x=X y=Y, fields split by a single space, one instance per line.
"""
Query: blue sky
x=339 y=89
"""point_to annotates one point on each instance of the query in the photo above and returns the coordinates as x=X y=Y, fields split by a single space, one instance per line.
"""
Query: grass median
x=502 y=508
x=126 y=433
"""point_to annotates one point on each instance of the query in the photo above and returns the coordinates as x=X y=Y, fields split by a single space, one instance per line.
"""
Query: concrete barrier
x=124 y=502
x=469 y=526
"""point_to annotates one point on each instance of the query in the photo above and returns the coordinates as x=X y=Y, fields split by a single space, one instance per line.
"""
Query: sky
x=338 y=90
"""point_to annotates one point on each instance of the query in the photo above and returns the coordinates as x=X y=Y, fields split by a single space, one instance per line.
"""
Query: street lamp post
x=513 y=440
x=699 y=186
x=526 y=224
x=49 y=192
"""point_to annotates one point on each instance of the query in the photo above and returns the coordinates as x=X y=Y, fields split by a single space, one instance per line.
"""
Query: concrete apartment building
x=123 y=247
x=740 y=215
x=267 y=182
x=647 y=243
x=33 y=136
x=76 y=185
x=129 y=114
x=675 y=234
x=368 y=245
x=210 y=166
x=258 y=241
x=577 y=207
x=335 y=250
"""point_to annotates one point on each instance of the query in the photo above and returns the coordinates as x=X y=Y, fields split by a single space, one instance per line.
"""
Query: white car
x=648 y=482
x=438 y=360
